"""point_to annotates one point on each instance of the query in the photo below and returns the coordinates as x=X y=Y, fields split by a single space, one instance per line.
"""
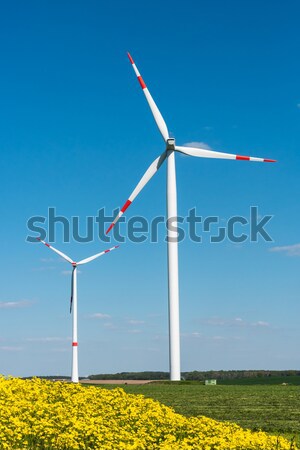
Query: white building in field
x=210 y=382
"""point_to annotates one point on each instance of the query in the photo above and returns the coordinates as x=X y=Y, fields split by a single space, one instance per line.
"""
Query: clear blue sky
x=77 y=134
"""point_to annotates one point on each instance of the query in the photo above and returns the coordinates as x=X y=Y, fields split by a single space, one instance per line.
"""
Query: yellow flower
x=38 y=415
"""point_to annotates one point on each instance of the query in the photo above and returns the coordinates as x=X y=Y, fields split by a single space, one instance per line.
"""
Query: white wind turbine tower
x=169 y=154
x=73 y=301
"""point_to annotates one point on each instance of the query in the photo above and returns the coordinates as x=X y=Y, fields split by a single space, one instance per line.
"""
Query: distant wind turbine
x=73 y=301
x=169 y=154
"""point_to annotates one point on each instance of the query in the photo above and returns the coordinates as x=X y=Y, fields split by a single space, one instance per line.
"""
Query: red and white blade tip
x=130 y=58
x=110 y=249
x=139 y=77
x=250 y=158
x=121 y=212
x=39 y=239
x=109 y=228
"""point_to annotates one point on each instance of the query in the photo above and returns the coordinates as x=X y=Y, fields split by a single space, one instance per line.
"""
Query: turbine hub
x=171 y=144
x=74 y=264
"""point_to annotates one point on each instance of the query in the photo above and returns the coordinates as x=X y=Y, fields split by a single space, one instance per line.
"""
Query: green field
x=275 y=409
x=291 y=380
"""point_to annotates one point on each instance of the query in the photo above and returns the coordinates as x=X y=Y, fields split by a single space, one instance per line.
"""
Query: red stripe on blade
x=109 y=228
x=74 y=344
x=142 y=83
x=106 y=251
x=128 y=203
x=243 y=158
x=47 y=244
x=270 y=160
x=130 y=58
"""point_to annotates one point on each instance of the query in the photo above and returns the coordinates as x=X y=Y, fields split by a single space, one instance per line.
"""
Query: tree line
x=197 y=375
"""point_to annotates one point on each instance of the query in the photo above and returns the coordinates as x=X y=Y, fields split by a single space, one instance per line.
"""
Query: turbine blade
x=56 y=251
x=72 y=289
x=155 y=111
x=204 y=153
x=144 y=180
x=91 y=258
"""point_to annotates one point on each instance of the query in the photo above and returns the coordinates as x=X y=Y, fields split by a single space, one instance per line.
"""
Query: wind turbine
x=73 y=302
x=172 y=236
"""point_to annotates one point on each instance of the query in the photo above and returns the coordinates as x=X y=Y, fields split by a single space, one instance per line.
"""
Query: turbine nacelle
x=74 y=263
x=170 y=144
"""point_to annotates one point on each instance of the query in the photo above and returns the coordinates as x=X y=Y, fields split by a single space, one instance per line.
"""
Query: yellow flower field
x=42 y=415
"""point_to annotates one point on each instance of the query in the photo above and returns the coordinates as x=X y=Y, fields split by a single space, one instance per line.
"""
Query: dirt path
x=115 y=381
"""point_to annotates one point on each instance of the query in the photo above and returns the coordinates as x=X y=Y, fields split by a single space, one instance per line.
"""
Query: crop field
x=275 y=409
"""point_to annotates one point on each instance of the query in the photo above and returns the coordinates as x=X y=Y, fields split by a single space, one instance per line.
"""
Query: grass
x=291 y=380
x=275 y=409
